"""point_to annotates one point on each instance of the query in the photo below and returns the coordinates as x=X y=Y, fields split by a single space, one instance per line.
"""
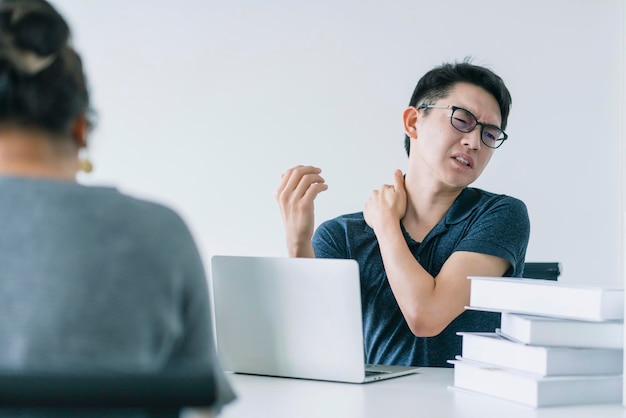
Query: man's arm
x=428 y=303
x=298 y=189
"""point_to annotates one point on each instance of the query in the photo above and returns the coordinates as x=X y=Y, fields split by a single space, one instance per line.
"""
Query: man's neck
x=427 y=204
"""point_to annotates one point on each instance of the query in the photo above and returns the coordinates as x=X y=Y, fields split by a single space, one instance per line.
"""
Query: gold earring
x=84 y=162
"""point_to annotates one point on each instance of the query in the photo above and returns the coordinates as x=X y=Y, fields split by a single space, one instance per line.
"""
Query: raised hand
x=387 y=205
x=299 y=186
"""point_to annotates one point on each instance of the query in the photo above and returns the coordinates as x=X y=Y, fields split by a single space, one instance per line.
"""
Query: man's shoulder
x=350 y=217
x=474 y=203
x=340 y=236
x=349 y=224
x=345 y=220
x=484 y=197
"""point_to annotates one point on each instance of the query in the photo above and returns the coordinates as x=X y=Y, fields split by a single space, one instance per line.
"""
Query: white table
x=426 y=394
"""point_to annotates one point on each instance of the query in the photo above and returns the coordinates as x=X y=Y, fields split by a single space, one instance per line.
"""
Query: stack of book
x=558 y=344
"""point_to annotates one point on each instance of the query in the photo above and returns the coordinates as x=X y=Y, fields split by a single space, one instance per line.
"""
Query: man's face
x=452 y=158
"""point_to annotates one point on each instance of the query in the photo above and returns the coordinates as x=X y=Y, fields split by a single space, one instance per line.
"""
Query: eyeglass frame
x=482 y=125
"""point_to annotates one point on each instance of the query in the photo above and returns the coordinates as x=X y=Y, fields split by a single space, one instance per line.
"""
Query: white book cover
x=534 y=390
x=550 y=331
x=492 y=348
x=546 y=298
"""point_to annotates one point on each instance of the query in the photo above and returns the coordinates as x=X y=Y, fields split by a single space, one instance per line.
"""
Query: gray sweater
x=93 y=279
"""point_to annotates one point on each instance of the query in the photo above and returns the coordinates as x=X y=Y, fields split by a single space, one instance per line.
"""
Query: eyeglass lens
x=461 y=119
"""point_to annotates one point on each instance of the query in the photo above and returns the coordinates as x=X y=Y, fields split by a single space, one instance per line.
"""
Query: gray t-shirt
x=93 y=279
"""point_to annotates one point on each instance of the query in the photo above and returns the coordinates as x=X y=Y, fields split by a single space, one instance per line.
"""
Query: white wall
x=203 y=104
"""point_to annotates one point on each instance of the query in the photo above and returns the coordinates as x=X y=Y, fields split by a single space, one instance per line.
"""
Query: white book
x=492 y=348
x=534 y=390
x=546 y=298
x=550 y=331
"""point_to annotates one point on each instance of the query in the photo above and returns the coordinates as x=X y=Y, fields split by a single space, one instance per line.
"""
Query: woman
x=90 y=279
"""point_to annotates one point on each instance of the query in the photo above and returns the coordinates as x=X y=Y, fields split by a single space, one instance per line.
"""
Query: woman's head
x=42 y=84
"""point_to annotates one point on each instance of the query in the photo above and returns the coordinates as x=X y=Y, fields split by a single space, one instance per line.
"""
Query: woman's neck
x=33 y=154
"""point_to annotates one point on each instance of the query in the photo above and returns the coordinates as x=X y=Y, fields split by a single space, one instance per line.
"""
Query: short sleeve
x=329 y=240
x=501 y=229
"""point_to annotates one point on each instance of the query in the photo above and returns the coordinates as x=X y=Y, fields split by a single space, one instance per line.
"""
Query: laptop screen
x=291 y=317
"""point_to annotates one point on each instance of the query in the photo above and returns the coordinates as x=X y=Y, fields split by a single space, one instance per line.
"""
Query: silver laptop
x=292 y=317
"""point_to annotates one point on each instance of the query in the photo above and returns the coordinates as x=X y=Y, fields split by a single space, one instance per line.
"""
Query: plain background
x=203 y=104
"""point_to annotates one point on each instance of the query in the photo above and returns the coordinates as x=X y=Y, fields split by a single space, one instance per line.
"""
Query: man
x=417 y=240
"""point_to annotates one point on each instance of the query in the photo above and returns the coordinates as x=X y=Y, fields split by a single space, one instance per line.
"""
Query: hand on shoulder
x=387 y=204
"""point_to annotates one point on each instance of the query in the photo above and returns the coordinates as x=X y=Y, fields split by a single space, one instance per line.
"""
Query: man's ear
x=78 y=130
x=410 y=117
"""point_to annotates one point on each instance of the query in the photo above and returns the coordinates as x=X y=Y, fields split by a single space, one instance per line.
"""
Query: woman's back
x=93 y=278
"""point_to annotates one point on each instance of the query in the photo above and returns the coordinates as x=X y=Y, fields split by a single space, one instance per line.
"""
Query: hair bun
x=32 y=34
x=38 y=28
x=42 y=82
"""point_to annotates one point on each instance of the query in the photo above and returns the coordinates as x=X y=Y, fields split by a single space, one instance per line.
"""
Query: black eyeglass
x=463 y=121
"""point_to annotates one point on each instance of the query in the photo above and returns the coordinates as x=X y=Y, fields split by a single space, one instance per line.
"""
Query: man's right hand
x=298 y=188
